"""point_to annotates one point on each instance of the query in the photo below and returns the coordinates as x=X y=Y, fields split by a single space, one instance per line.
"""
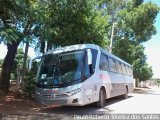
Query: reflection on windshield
x=61 y=70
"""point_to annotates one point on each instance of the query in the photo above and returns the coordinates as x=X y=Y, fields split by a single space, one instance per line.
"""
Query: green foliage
x=135 y=26
x=30 y=80
x=137 y=23
x=18 y=63
x=18 y=21
x=141 y=69
x=18 y=60
x=124 y=49
x=158 y=82
x=68 y=22
x=29 y=83
x=1 y=62
x=73 y=22
x=10 y=17
x=145 y=73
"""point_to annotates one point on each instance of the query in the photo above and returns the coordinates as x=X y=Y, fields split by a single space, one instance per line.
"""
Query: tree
x=74 y=22
x=141 y=69
x=16 y=25
x=146 y=73
x=58 y=22
x=18 y=63
x=1 y=61
x=124 y=49
x=9 y=34
x=138 y=23
x=136 y=26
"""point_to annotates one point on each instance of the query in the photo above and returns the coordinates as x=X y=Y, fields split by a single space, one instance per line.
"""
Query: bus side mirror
x=89 y=56
x=31 y=61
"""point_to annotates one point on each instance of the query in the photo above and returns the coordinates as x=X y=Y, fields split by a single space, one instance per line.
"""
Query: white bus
x=81 y=74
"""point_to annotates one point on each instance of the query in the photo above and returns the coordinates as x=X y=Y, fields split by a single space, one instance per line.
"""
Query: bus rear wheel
x=102 y=98
x=125 y=95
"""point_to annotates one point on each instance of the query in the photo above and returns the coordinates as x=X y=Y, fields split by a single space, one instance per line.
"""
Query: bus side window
x=106 y=62
x=103 y=65
x=127 y=70
x=119 y=68
x=130 y=71
x=123 y=68
x=112 y=65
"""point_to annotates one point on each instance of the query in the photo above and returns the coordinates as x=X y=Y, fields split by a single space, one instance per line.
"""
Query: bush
x=30 y=80
x=29 y=83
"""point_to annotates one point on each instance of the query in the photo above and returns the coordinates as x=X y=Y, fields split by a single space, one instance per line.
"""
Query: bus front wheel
x=102 y=98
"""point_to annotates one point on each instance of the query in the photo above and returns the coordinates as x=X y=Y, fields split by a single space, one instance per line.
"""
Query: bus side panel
x=118 y=83
x=129 y=83
x=105 y=80
x=91 y=89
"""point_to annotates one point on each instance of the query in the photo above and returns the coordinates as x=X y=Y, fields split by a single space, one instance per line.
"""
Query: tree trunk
x=7 y=66
x=137 y=81
x=26 y=33
x=25 y=61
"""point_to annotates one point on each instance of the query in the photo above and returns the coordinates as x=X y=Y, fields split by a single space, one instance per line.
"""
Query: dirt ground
x=20 y=107
x=17 y=106
x=13 y=103
x=20 y=104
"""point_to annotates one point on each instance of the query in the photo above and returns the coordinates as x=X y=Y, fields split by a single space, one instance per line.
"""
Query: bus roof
x=71 y=48
x=81 y=47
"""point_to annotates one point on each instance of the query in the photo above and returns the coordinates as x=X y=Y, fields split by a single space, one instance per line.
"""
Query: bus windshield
x=60 y=70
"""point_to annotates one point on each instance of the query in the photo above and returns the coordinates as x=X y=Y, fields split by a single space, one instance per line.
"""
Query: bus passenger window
x=130 y=71
x=123 y=69
x=127 y=68
x=112 y=65
x=119 y=68
x=103 y=65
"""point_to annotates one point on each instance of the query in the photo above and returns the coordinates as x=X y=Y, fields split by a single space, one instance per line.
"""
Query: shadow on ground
x=20 y=109
x=88 y=109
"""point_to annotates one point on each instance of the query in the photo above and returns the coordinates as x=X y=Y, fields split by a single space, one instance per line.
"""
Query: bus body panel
x=87 y=91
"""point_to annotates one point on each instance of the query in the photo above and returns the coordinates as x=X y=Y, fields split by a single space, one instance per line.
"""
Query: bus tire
x=102 y=98
x=125 y=95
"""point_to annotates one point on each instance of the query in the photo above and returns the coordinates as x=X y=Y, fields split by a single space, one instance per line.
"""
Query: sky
x=152 y=47
x=3 y=51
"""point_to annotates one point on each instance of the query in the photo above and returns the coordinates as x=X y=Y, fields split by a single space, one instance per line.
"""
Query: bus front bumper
x=51 y=100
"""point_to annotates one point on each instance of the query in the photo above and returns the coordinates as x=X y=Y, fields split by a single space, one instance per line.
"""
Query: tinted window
x=112 y=64
x=103 y=62
x=119 y=67
x=65 y=71
x=130 y=71
x=123 y=68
